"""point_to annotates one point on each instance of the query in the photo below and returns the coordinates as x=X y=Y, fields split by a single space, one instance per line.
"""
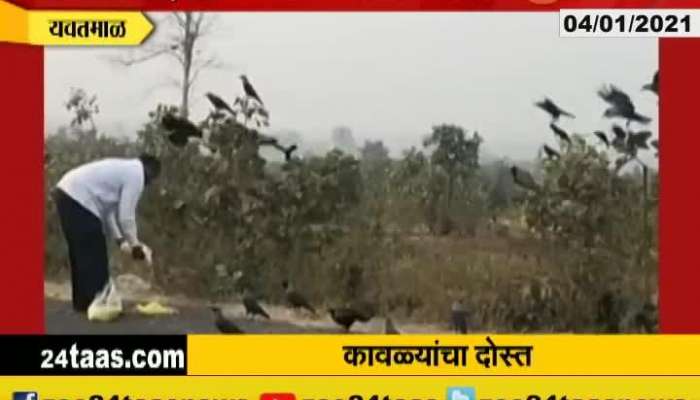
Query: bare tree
x=182 y=34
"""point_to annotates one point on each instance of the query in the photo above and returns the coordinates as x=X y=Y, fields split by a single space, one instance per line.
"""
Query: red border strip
x=22 y=204
x=679 y=273
x=352 y=5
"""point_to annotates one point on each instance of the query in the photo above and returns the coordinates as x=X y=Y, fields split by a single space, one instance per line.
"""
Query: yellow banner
x=72 y=28
x=352 y=388
x=420 y=355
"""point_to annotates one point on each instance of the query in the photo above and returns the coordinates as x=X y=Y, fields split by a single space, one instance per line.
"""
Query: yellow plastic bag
x=155 y=308
x=107 y=305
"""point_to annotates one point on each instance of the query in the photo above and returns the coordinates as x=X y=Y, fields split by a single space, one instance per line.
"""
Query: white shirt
x=110 y=189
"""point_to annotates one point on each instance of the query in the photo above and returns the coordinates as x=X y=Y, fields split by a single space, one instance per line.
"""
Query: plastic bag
x=107 y=304
x=154 y=308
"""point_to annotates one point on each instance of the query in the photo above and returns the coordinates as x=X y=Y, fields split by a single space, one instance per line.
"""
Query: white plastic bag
x=107 y=304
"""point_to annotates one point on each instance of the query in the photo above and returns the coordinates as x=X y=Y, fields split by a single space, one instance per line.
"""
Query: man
x=97 y=197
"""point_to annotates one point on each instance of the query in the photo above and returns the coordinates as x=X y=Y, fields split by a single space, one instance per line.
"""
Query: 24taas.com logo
x=25 y=396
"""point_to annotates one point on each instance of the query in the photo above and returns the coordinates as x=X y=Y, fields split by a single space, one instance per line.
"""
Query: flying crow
x=180 y=129
x=621 y=105
x=552 y=109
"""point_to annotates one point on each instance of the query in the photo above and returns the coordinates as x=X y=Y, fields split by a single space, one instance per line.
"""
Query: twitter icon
x=461 y=393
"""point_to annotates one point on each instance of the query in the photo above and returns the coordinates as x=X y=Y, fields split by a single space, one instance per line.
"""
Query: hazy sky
x=388 y=76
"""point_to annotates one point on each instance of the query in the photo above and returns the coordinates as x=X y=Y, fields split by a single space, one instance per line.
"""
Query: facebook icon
x=25 y=396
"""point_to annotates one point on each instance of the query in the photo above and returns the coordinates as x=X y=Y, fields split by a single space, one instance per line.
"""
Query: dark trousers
x=87 y=249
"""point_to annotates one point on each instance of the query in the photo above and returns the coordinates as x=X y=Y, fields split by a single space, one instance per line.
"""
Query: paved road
x=61 y=319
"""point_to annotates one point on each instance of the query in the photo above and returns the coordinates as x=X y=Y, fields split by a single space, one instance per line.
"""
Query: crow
x=551 y=153
x=639 y=139
x=459 y=317
x=180 y=129
x=389 y=327
x=655 y=144
x=552 y=109
x=295 y=299
x=223 y=324
x=621 y=105
x=560 y=133
x=346 y=316
x=250 y=90
x=603 y=137
x=523 y=178
x=252 y=307
x=288 y=152
x=654 y=85
x=620 y=138
x=219 y=103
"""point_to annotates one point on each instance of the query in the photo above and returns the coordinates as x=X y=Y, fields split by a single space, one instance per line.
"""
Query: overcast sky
x=388 y=76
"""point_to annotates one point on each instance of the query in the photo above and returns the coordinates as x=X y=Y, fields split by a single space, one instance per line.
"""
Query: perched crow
x=295 y=299
x=346 y=316
x=560 y=133
x=603 y=137
x=654 y=85
x=252 y=307
x=523 y=178
x=288 y=152
x=222 y=323
x=180 y=129
x=620 y=139
x=621 y=105
x=619 y=133
x=552 y=109
x=389 y=327
x=639 y=139
x=551 y=153
x=270 y=141
x=655 y=143
x=219 y=103
x=459 y=317
x=250 y=90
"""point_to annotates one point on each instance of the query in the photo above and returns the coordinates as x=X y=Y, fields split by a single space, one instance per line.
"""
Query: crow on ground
x=223 y=324
x=295 y=299
x=252 y=307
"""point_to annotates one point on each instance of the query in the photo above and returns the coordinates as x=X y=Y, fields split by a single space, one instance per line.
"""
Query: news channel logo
x=461 y=393
x=25 y=396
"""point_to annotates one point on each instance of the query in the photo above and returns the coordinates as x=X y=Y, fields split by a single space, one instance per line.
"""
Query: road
x=61 y=319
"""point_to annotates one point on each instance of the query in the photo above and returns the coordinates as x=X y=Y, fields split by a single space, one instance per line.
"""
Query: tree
x=343 y=140
x=375 y=165
x=84 y=108
x=457 y=155
x=182 y=37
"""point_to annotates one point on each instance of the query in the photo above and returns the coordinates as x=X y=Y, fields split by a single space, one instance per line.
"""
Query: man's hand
x=142 y=252
x=124 y=246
